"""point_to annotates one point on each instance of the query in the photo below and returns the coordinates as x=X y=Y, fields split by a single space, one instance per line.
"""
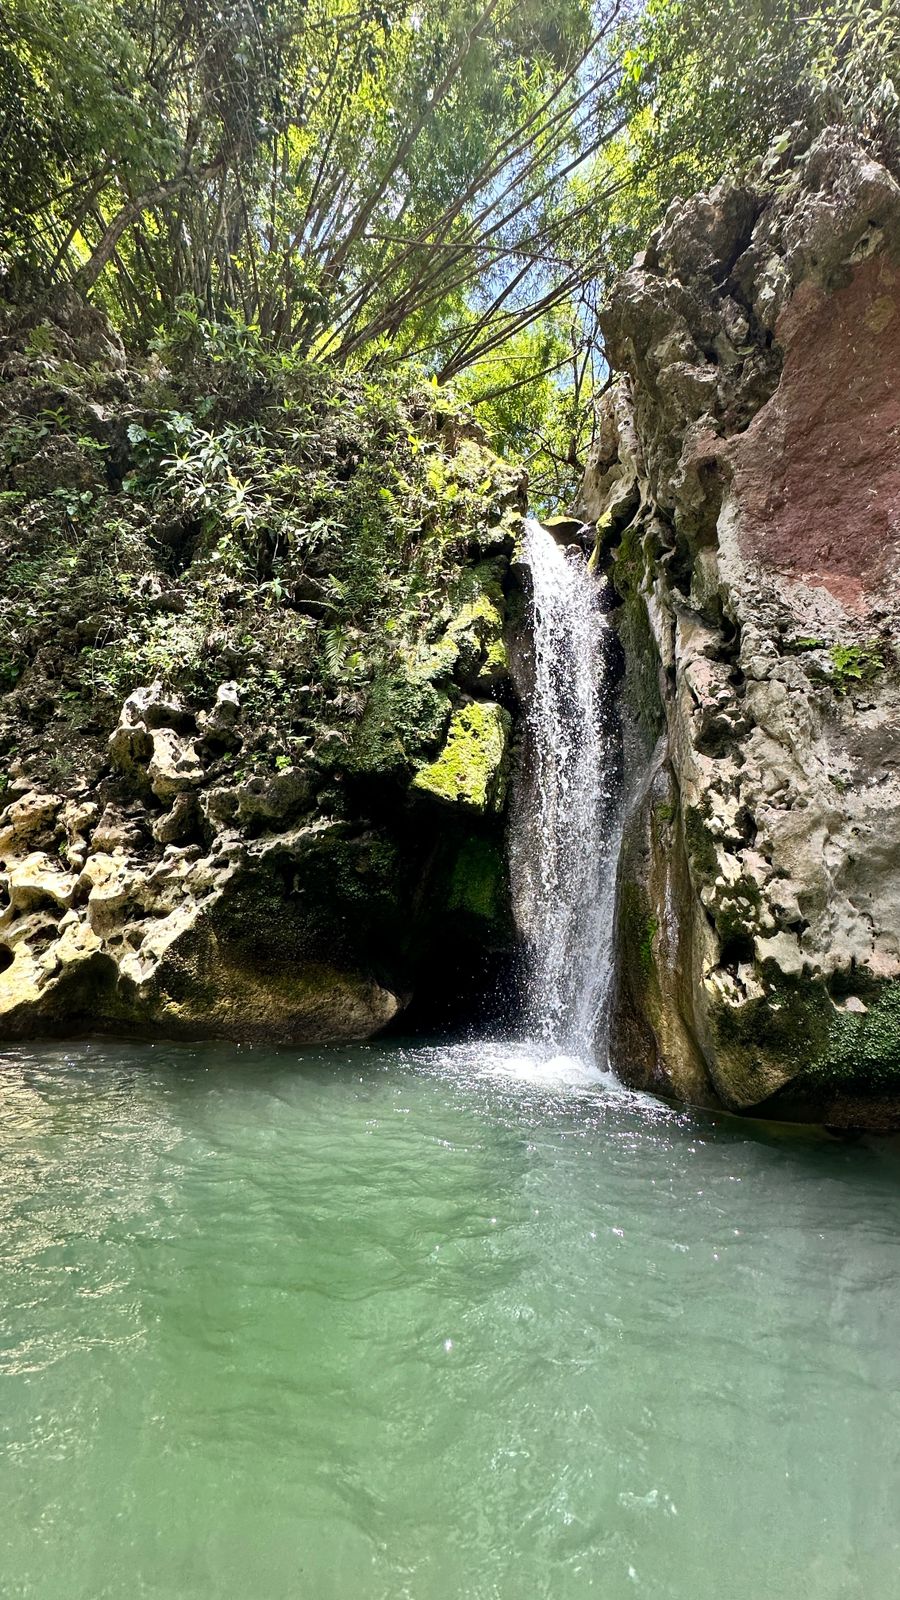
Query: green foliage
x=804 y=644
x=341 y=178
x=533 y=397
x=711 y=85
x=856 y=68
x=708 y=84
x=855 y=664
x=299 y=529
x=260 y=187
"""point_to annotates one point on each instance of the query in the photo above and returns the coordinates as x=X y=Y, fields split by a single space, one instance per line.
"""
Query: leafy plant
x=855 y=664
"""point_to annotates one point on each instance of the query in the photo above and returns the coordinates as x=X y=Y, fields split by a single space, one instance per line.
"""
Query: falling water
x=561 y=844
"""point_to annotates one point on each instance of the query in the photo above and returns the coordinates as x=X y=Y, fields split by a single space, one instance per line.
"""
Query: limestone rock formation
x=252 y=768
x=746 y=490
x=242 y=911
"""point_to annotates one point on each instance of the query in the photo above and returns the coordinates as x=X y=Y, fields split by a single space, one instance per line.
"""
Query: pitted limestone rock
x=754 y=432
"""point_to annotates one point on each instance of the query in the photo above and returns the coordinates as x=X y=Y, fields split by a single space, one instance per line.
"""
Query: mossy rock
x=472 y=646
x=226 y=995
x=478 y=882
x=764 y=1042
x=403 y=719
x=477 y=628
x=652 y=1033
x=864 y=1047
x=701 y=847
x=642 y=666
x=471 y=768
x=795 y=1034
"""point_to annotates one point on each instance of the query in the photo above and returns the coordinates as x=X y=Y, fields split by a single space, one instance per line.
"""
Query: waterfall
x=561 y=845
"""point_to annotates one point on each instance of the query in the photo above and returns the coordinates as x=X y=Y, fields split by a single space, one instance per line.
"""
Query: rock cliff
x=746 y=490
x=255 y=711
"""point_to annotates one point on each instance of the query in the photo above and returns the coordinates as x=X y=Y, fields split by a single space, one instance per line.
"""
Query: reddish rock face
x=817 y=474
x=759 y=421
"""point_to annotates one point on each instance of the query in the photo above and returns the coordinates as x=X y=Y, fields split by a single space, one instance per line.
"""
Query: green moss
x=604 y=526
x=642 y=693
x=787 y=1028
x=864 y=1047
x=359 y=871
x=796 y=1027
x=737 y=908
x=496 y=663
x=648 y=940
x=629 y=562
x=428 y=662
x=477 y=627
x=478 y=881
x=560 y=526
x=471 y=648
x=471 y=768
x=639 y=927
x=700 y=845
x=401 y=721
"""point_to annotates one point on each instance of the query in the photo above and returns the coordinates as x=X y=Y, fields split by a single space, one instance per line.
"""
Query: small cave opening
x=737 y=951
x=7 y=957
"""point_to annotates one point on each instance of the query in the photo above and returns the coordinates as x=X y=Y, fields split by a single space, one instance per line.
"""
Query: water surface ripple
x=433 y=1324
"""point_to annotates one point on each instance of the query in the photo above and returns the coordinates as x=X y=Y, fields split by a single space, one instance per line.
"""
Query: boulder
x=35 y=881
x=275 y=799
x=27 y=818
x=173 y=766
x=153 y=744
x=471 y=769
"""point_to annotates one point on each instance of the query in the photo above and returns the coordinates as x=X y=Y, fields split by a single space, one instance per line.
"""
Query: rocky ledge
x=255 y=710
x=746 y=491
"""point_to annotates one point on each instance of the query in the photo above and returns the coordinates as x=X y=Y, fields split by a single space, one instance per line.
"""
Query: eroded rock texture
x=253 y=772
x=242 y=910
x=746 y=489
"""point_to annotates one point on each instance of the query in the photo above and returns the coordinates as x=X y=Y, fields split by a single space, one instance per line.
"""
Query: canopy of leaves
x=448 y=183
x=710 y=85
x=345 y=176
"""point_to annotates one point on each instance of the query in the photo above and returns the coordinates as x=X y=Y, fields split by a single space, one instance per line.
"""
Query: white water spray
x=561 y=850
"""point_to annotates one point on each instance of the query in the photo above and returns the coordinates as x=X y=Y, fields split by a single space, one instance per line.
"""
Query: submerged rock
x=747 y=487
